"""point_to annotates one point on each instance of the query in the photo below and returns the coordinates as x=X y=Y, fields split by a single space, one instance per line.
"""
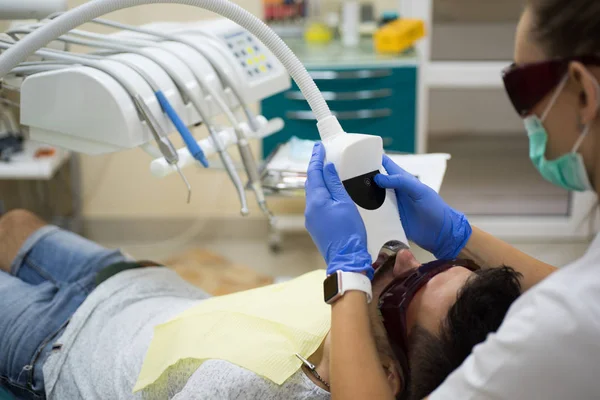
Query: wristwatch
x=335 y=285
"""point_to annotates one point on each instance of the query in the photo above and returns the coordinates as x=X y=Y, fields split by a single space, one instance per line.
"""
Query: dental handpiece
x=223 y=155
x=230 y=168
x=252 y=172
x=164 y=144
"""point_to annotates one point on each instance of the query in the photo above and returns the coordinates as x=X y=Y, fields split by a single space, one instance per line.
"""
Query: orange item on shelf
x=45 y=152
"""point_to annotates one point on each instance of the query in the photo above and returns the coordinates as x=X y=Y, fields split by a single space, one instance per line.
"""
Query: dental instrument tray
x=283 y=172
x=278 y=182
x=281 y=176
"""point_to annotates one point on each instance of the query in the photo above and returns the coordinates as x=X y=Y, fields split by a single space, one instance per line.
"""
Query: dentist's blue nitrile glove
x=332 y=219
x=427 y=219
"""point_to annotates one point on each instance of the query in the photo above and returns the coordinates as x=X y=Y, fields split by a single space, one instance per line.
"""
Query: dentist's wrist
x=358 y=262
x=460 y=232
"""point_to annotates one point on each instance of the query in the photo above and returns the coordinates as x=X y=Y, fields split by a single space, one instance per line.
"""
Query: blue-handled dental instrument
x=186 y=135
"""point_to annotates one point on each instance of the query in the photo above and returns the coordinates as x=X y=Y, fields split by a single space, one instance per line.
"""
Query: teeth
x=389 y=249
x=394 y=246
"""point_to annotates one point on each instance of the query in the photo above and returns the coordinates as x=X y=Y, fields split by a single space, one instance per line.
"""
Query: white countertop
x=24 y=165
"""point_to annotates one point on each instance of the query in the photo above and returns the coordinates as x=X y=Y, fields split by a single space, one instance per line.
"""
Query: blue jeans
x=51 y=276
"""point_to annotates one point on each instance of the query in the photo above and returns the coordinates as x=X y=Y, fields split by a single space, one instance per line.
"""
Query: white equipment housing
x=357 y=158
x=86 y=110
x=30 y=9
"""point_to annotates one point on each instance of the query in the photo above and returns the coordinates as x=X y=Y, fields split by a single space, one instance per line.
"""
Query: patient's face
x=431 y=303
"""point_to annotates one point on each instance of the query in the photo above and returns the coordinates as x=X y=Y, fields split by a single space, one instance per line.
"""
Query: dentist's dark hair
x=567 y=28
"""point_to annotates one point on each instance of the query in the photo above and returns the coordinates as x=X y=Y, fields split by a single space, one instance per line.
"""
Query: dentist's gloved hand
x=332 y=219
x=427 y=219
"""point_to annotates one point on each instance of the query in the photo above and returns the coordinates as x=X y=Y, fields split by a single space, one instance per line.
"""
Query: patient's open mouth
x=390 y=249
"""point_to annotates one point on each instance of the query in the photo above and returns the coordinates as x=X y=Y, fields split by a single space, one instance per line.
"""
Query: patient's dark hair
x=480 y=308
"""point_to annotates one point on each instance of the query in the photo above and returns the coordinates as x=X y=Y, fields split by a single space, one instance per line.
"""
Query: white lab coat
x=548 y=346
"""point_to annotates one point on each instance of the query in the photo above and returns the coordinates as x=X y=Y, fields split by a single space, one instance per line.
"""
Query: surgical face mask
x=567 y=171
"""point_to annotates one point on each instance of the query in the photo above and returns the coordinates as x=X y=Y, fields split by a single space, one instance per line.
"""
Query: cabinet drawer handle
x=345 y=96
x=341 y=115
x=359 y=74
x=387 y=141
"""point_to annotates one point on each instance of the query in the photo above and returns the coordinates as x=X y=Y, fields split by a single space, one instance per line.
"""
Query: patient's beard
x=382 y=344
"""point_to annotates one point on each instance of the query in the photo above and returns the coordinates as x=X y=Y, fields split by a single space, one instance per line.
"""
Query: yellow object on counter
x=260 y=330
x=399 y=35
x=318 y=32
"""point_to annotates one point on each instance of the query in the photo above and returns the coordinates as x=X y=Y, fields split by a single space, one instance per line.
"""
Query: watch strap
x=355 y=281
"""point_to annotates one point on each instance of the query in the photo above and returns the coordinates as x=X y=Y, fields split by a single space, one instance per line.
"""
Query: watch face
x=330 y=287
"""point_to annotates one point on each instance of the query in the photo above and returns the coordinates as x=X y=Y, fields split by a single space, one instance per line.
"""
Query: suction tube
x=97 y=8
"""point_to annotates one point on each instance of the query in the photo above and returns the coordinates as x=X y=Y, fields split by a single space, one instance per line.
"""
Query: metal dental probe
x=164 y=144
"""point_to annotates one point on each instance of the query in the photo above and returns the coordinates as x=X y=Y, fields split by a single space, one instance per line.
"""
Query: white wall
x=473 y=111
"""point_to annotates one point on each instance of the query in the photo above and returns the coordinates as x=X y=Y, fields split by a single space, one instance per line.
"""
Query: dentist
x=548 y=346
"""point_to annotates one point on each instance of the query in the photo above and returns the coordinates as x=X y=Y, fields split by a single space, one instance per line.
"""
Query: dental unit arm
x=165 y=146
x=357 y=157
x=188 y=76
x=246 y=154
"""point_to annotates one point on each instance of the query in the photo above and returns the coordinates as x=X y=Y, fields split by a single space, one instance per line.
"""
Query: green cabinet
x=378 y=98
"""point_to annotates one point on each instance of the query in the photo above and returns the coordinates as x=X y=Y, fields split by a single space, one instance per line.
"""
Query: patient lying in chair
x=78 y=321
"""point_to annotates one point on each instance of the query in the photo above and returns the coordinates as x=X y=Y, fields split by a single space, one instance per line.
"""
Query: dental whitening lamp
x=112 y=123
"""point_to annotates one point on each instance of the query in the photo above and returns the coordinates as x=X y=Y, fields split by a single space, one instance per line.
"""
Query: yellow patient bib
x=260 y=330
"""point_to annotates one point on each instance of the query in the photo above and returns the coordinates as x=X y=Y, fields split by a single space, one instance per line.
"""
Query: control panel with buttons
x=250 y=65
x=249 y=52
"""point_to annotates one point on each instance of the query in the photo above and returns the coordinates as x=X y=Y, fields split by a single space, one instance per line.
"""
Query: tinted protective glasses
x=528 y=84
x=394 y=301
